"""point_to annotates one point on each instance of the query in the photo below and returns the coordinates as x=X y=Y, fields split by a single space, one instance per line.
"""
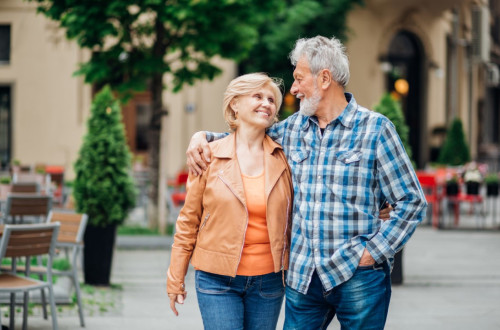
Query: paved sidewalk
x=451 y=281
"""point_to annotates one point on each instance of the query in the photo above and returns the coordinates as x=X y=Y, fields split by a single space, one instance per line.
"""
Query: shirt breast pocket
x=299 y=162
x=347 y=167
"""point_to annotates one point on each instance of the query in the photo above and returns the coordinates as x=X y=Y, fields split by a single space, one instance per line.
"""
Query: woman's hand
x=176 y=298
x=385 y=212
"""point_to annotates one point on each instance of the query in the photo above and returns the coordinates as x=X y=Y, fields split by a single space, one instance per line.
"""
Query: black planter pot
x=98 y=254
x=397 y=269
x=492 y=189
x=451 y=188
x=472 y=188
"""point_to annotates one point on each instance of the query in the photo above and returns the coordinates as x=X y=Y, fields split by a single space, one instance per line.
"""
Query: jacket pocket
x=205 y=220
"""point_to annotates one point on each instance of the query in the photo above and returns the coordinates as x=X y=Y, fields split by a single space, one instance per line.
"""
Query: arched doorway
x=404 y=80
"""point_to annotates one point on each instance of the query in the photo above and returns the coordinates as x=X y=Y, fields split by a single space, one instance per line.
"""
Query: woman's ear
x=234 y=105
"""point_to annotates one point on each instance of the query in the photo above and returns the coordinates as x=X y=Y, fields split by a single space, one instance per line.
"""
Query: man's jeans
x=360 y=303
x=241 y=302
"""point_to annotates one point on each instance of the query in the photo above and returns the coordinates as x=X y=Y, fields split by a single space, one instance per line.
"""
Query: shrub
x=391 y=108
x=104 y=188
x=455 y=150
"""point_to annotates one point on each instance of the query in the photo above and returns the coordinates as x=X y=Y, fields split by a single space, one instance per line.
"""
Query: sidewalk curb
x=143 y=242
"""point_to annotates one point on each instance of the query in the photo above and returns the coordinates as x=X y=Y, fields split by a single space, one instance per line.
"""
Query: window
x=4 y=44
x=5 y=126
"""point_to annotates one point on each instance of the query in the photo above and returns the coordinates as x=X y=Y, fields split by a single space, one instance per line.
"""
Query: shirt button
x=319 y=176
x=315 y=250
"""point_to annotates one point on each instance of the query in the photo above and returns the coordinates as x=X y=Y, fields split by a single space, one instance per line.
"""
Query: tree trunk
x=154 y=148
x=155 y=127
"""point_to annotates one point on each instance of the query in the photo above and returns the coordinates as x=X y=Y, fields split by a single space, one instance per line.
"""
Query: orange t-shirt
x=256 y=257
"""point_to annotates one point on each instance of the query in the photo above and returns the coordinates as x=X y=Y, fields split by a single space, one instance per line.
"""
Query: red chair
x=176 y=194
x=433 y=194
x=57 y=178
x=464 y=198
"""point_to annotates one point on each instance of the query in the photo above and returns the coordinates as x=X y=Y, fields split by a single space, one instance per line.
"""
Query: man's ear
x=325 y=78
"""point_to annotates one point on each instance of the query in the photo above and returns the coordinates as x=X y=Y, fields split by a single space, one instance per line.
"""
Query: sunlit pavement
x=451 y=281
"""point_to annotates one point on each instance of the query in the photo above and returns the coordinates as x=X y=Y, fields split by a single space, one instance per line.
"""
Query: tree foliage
x=103 y=188
x=135 y=44
x=299 y=18
x=455 y=150
x=131 y=40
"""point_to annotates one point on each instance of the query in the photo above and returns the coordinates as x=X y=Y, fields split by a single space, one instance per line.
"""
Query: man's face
x=305 y=88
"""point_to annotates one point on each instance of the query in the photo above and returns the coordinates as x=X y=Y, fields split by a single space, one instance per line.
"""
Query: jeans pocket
x=212 y=283
x=271 y=286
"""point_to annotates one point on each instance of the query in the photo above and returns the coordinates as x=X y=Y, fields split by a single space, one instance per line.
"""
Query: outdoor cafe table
x=441 y=176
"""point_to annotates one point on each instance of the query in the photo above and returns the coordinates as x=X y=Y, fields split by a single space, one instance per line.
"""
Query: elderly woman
x=235 y=224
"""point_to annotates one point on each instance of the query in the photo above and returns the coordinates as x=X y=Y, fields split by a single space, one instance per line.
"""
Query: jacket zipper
x=205 y=221
x=284 y=234
x=284 y=242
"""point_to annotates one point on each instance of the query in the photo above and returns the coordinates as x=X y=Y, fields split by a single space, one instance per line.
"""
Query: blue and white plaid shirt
x=340 y=177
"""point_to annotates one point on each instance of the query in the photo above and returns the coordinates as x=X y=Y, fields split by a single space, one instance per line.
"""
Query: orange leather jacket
x=211 y=227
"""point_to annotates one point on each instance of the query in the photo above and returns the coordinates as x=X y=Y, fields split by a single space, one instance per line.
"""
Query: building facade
x=446 y=53
x=440 y=58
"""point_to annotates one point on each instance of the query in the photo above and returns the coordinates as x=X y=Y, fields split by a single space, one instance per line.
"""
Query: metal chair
x=21 y=205
x=25 y=187
x=70 y=239
x=27 y=241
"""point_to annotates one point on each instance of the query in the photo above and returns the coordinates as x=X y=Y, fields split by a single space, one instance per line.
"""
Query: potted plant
x=16 y=165
x=455 y=150
x=5 y=186
x=452 y=185
x=492 y=181
x=103 y=187
x=472 y=179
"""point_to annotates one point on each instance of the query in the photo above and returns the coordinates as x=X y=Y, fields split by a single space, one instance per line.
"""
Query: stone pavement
x=451 y=281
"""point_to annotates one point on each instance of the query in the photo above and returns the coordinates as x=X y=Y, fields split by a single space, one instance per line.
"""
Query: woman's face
x=256 y=109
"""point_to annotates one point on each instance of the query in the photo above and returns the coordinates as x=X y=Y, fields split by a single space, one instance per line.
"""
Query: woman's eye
x=271 y=101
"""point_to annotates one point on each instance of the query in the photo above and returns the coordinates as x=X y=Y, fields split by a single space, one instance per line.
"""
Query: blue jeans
x=361 y=303
x=241 y=302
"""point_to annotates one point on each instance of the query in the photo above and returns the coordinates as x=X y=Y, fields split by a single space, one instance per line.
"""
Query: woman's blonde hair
x=245 y=85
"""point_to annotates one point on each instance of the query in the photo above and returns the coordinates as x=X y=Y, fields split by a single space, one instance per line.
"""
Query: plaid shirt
x=340 y=178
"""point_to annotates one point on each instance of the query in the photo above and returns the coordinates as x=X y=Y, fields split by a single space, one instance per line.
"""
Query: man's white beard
x=308 y=106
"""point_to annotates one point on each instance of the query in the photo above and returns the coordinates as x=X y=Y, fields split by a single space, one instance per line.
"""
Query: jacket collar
x=228 y=148
x=230 y=173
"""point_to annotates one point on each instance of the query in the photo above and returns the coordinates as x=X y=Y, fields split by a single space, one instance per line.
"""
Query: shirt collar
x=347 y=116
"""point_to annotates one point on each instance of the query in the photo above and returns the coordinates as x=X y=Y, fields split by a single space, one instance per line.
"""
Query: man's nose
x=294 y=89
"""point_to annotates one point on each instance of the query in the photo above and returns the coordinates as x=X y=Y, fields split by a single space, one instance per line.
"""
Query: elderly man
x=344 y=160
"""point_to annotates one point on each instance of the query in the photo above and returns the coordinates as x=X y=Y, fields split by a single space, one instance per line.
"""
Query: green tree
x=299 y=18
x=135 y=43
x=455 y=150
x=104 y=188
x=391 y=108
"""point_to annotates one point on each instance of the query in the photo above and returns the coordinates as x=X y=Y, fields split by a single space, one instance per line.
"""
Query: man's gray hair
x=323 y=53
